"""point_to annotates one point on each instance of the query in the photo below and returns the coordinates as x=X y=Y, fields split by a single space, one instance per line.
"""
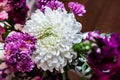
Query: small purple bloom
x=19 y=10
x=115 y=40
x=53 y=4
x=93 y=35
x=77 y=8
x=25 y=65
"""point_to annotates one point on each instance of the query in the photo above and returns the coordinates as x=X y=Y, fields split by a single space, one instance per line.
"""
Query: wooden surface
x=101 y=14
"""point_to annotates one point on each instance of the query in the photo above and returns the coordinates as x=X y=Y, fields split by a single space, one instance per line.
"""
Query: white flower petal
x=56 y=31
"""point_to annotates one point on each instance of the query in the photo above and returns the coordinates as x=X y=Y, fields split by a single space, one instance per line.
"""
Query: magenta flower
x=53 y=4
x=106 y=64
x=19 y=10
x=3 y=15
x=2 y=31
x=18 y=50
x=77 y=8
x=4 y=8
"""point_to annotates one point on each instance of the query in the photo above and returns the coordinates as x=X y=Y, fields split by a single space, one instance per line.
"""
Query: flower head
x=3 y=15
x=19 y=10
x=56 y=32
x=53 y=4
x=106 y=63
x=18 y=49
x=77 y=8
x=4 y=8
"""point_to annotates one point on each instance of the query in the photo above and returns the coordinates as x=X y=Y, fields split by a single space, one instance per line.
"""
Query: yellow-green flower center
x=46 y=33
x=49 y=37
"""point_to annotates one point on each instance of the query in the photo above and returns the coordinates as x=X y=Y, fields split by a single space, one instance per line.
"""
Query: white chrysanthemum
x=56 y=31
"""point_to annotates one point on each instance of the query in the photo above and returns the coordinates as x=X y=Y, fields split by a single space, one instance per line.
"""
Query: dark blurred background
x=103 y=15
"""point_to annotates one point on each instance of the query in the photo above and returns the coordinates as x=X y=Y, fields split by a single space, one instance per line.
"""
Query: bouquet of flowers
x=36 y=44
x=43 y=41
x=100 y=52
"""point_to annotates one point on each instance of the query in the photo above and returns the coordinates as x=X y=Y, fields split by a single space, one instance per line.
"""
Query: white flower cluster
x=56 y=31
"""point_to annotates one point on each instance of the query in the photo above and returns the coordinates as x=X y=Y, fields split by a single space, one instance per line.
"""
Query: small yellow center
x=28 y=41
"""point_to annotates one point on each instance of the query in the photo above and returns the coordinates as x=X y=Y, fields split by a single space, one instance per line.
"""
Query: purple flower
x=53 y=4
x=105 y=65
x=19 y=11
x=25 y=65
x=93 y=35
x=2 y=31
x=18 y=50
x=41 y=3
x=29 y=39
x=21 y=36
x=115 y=40
x=77 y=8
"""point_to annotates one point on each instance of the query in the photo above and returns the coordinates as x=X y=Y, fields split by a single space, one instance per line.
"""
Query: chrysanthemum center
x=46 y=33
x=49 y=37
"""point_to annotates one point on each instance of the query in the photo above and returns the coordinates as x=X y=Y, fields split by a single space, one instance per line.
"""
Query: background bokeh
x=103 y=15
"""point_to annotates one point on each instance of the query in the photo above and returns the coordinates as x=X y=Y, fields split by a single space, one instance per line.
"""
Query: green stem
x=63 y=76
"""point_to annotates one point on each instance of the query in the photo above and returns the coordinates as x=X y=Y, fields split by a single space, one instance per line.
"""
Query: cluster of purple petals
x=77 y=8
x=18 y=50
x=3 y=74
x=53 y=4
x=19 y=10
x=105 y=64
x=2 y=31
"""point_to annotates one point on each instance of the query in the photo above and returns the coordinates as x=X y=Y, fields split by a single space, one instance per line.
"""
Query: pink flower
x=0 y=38
x=2 y=31
x=3 y=15
x=77 y=8
x=4 y=8
x=3 y=3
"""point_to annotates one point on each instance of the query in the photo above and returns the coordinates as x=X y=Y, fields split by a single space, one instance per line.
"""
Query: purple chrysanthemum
x=53 y=4
x=19 y=10
x=21 y=36
x=25 y=65
x=18 y=50
x=77 y=8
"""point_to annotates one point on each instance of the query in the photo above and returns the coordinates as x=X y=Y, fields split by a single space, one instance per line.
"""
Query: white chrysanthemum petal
x=56 y=31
